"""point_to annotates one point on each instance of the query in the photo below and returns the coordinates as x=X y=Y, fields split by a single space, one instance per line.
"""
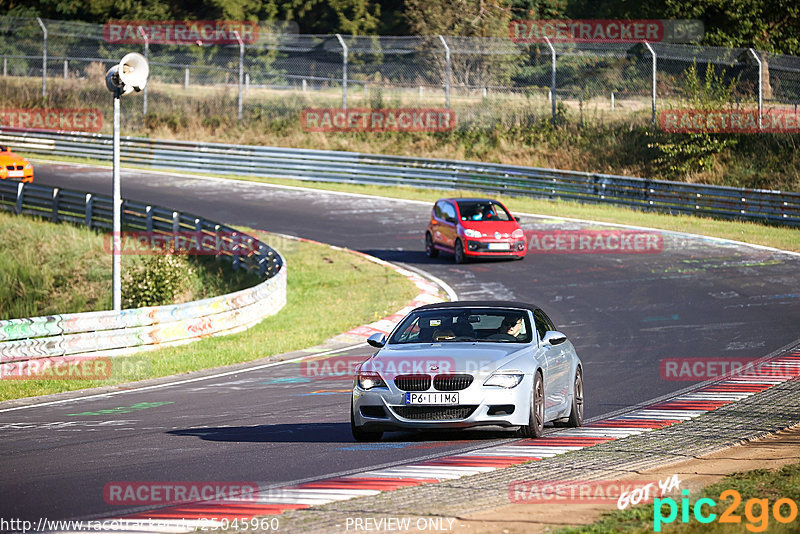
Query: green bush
x=155 y=281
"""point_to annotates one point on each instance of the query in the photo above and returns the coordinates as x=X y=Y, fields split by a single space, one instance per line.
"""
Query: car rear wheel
x=575 y=418
x=430 y=250
x=535 y=426
x=458 y=253
x=359 y=434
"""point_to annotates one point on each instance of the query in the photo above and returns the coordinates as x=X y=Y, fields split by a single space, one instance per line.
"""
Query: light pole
x=130 y=75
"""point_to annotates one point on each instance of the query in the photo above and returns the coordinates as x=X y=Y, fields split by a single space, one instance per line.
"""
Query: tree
x=769 y=25
x=465 y=18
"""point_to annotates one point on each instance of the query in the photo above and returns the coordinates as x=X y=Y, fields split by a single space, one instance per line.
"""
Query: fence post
x=186 y=79
x=54 y=212
x=44 y=58
x=237 y=258
x=5 y=67
x=653 y=53
x=217 y=243
x=147 y=58
x=20 y=192
x=344 y=71
x=241 y=70
x=760 y=85
x=447 y=71
x=247 y=83
x=552 y=78
x=148 y=224
x=66 y=69
x=88 y=210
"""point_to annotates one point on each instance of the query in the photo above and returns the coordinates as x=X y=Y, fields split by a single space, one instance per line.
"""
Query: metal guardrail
x=769 y=206
x=108 y=333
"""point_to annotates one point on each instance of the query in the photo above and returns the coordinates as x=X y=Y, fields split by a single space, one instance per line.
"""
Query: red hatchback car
x=473 y=227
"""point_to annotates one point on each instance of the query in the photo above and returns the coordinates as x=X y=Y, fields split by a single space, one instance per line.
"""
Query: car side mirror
x=554 y=337
x=516 y=218
x=378 y=340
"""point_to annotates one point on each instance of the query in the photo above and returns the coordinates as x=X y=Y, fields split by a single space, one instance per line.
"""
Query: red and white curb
x=706 y=398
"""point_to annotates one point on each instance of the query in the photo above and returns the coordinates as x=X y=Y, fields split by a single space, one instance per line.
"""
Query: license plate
x=15 y=174
x=431 y=398
x=499 y=246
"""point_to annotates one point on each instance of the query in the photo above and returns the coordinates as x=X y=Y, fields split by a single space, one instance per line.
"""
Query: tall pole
x=447 y=71
x=116 y=238
x=760 y=85
x=241 y=70
x=344 y=70
x=653 y=105
x=552 y=78
x=147 y=57
x=44 y=58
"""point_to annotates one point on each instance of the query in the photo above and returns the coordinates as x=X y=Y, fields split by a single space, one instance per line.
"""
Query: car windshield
x=482 y=210
x=447 y=325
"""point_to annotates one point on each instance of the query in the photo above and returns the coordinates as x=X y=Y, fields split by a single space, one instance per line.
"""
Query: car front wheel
x=459 y=252
x=535 y=426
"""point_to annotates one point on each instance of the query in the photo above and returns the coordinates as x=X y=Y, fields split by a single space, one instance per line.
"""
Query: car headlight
x=28 y=166
x=469 y=232
x=368 y=381
x=505 y=379
x=518 y=234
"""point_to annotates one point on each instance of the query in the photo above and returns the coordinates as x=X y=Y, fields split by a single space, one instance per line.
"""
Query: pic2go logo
x=756 y=522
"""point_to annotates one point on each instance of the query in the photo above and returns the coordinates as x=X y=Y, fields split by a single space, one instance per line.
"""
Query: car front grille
x=434 y=413
x=452 y=382
x=413 y=382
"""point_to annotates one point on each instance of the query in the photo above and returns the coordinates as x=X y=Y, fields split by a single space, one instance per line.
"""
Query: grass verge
x=764 y=486
x=749 y=232
x=65 y=268
x=317 y=274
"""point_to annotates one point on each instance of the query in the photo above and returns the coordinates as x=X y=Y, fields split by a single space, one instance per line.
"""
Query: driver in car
x=511 y=326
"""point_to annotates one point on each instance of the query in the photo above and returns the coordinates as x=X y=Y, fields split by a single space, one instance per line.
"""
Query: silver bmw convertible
x=466 y=364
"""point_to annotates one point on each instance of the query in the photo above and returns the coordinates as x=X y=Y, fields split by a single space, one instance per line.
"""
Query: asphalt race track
x=625 y=313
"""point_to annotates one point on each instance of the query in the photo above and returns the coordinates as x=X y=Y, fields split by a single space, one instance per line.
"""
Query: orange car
x=14 y=166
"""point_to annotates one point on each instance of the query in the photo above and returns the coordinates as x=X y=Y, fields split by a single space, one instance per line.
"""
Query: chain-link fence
x=486 y=81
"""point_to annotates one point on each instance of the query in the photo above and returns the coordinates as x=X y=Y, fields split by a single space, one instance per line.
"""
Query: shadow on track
x=418 y=257
x=325 y=433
